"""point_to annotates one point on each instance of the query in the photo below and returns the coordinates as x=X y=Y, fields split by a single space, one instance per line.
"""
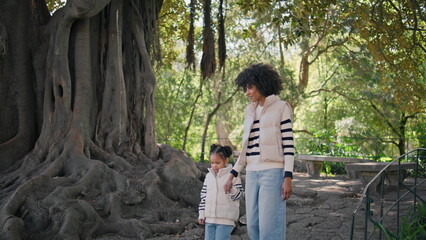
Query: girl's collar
x=222 y=171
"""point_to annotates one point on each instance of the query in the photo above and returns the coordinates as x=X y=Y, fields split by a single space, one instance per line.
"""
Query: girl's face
x=217 y=162
x=254 y=94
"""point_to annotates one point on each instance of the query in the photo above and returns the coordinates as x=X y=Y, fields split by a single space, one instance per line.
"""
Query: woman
x=267 y=153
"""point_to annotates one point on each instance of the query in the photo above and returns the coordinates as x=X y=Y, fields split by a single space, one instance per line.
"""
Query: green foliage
x=418 y=130
x=414 y=225
x=173 y=25
x=394 y=35
x=366 y=77
x=326 y=143
x=174 y=94
x=54 y=5
x=333 y=168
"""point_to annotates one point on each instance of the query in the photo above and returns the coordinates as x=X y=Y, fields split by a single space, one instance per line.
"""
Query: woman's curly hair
x=263 y=76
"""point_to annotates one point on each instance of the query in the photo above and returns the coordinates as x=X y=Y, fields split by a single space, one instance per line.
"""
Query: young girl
x=219 y=210
x=267 y=153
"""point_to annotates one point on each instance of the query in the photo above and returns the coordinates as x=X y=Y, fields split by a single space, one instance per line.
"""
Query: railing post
x=368 y=213
x=352 y=227
x=417 y=157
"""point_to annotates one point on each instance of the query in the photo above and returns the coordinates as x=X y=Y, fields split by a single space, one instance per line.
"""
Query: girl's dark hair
x=223 y=151
x=263 y=76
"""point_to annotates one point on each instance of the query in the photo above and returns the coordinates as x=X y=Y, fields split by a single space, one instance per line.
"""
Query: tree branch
x=334 y=90
x=303 y=131
x=320 y=52
x=378 y=111
x=419 y=10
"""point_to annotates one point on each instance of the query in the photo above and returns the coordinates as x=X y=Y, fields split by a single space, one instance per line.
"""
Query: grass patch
x=414 y=225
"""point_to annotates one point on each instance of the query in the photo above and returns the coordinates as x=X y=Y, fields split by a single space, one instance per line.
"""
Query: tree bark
x=208 y=60
x=221 y=35
x=190 y=54
x=17 y=121
x=78 y=153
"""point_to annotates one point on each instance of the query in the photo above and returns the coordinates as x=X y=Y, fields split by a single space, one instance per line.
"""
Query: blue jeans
x=218 y=231
x=266 y=211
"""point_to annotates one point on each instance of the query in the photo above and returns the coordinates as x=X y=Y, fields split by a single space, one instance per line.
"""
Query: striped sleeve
x=202 y=205
x=287 y=140
x=237 y=192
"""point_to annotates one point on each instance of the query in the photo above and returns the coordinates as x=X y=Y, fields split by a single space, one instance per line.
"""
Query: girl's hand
x=228 y=184
x=286 y=188
x=202 y=221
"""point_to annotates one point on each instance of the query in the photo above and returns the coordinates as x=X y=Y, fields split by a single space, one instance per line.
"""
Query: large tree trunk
x=77 y=146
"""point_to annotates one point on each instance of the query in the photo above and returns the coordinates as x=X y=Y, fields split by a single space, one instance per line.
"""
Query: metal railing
x=378 y=213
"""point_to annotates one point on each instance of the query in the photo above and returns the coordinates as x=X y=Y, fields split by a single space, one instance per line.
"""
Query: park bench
x=314 y=163
x=367 y=171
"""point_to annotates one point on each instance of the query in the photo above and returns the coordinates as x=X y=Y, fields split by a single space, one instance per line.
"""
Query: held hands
x=228 y=184
x=286 y=189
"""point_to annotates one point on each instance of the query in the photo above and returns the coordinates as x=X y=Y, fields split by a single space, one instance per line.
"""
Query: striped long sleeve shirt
x=268 y=137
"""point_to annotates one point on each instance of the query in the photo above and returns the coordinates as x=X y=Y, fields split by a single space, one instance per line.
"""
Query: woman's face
x=254 y=94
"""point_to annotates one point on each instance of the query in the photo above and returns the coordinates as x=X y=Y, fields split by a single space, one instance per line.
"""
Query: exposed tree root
x=95 y=168
x=80 y=198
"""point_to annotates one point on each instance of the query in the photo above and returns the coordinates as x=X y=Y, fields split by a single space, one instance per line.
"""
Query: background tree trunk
x=223 y=130
x=78 y=152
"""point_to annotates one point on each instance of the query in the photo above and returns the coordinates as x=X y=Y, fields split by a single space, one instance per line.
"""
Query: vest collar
x=268 y=101
x=222 y=171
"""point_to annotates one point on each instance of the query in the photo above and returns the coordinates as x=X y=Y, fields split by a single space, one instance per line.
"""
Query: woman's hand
x=228 y=184
x=202 y=221
x=286 y=188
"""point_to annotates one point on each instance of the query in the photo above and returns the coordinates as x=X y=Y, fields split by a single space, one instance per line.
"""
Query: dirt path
x=319 y=209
